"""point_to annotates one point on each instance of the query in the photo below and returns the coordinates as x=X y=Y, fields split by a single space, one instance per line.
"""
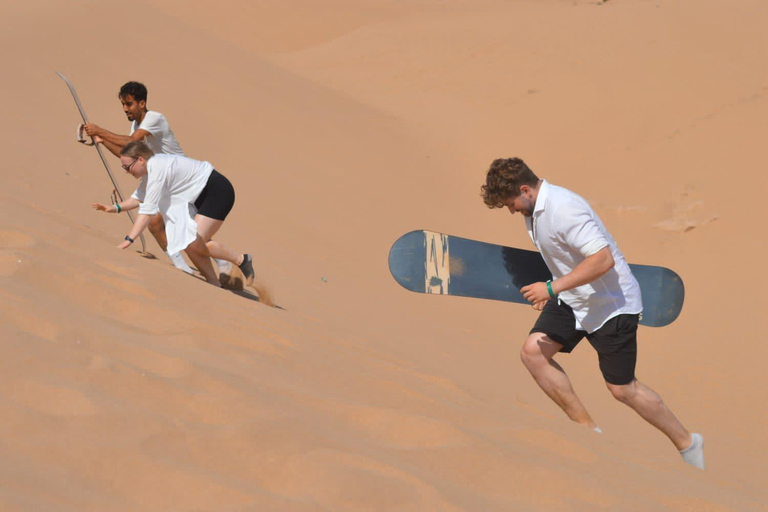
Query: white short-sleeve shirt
x=161 y=138
x=566 y=231
x=172 y=185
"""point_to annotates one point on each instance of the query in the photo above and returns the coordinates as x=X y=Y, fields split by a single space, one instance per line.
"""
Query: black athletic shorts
x=615 y=342
x=217 y=198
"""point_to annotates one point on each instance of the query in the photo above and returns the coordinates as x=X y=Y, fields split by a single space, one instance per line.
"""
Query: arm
x=593 y=267
x=113 y=148
x=147 y=196
x=142 y=221
x=113 y=142
x=127 y=205
x=579 y=229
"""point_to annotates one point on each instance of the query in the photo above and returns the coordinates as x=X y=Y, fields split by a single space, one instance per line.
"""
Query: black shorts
x=217 y=198
x=615 y=342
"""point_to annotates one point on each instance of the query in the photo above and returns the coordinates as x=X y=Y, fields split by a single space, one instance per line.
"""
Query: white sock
x=224 y=265
x=694 y=454
x=178 y=262
x=598 y=430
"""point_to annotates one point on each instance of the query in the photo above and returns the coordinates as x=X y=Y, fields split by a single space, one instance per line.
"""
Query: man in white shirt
x=154 y=130
x=592 y=294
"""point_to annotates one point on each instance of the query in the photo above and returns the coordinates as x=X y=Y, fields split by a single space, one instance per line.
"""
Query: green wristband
x=550 y=290
x=117 y=206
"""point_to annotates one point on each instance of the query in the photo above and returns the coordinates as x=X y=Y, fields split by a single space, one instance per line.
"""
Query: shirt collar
x=541 y=197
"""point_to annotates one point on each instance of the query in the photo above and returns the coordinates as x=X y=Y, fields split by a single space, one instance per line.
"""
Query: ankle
x=684 y=444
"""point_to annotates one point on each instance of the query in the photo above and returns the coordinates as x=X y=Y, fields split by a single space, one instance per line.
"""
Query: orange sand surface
x=128 y=385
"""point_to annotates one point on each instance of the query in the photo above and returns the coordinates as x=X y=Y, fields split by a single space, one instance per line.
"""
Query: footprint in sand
x=685 y=215
x=683 y=225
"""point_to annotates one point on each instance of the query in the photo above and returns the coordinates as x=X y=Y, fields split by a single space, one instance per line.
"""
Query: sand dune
x=127 y=385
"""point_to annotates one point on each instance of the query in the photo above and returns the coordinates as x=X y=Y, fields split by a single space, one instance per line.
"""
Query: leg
x=157 y=228
x=221 y=252
x=616 y=344
x=206 y=228
x=537 y=355
x=198 y=253
x=213 y=205
x=652 y=409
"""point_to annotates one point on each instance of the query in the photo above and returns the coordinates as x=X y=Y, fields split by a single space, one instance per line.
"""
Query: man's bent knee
x=538 y=348
x=623 y=392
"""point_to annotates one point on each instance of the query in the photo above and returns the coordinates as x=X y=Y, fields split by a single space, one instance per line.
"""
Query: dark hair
x=135 y=89
x=136 y=149
x=504 y=179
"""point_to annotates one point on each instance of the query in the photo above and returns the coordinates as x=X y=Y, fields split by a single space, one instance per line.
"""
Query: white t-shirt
x=172 y=185
x=161 y=138
x=566 y=231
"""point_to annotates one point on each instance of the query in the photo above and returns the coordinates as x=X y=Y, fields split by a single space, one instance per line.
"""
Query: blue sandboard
x=436 y=263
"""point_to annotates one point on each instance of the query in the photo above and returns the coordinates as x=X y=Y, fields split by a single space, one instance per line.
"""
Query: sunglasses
x=127 y=168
